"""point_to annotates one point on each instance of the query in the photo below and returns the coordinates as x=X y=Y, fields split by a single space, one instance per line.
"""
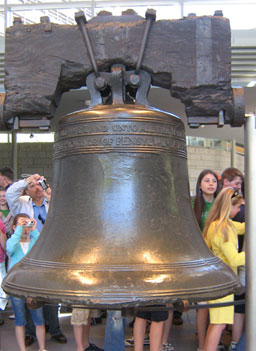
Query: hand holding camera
x=37 y=186
x=36 y=179
x=27 y=223
x=43 y=184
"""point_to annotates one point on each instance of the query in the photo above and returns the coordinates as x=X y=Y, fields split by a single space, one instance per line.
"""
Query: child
x=207 y=188
x=220 y=234
x=24 y=237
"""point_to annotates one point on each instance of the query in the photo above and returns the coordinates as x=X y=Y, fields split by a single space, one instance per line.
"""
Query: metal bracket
x=16 y=123
x=81 y=21
x=150 y=18
x=235 y=120
x=221 y=119
x=239 y=107
x=2 y=121
x=118 y=83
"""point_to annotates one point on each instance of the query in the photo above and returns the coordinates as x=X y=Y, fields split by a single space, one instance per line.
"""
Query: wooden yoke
x=190 y=56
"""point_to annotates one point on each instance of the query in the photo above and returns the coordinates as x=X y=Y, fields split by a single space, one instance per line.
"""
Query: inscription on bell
x=127 y=136
x=121 y=128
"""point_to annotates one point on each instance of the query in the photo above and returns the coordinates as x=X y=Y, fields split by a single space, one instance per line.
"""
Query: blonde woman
x=220 y=234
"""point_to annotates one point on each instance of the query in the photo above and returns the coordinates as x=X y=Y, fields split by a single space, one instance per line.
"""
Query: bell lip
x=68 y=287
x=122 y=299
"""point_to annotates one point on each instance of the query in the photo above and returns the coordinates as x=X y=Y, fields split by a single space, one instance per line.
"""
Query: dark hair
x=19 y=215
x=230 y=174
x=199 y=199
x=7 y=172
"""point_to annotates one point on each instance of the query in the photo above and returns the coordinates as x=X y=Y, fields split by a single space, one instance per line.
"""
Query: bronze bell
x=120 y=230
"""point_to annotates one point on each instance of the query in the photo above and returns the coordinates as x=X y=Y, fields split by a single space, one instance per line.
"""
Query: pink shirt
x=2 y=253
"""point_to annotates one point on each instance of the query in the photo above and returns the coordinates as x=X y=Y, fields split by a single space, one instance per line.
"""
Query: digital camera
x=28 y=224
x=43 y=184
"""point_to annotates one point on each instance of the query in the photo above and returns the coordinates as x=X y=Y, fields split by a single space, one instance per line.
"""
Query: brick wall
x=32 y=158
x=37 y=158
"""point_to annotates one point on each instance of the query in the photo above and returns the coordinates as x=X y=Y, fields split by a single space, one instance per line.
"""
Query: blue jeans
x=18 y=306
x=51 y=319
x=241 y=345
x=114 y=332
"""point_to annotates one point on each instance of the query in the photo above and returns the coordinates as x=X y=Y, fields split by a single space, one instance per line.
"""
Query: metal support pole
x=233 y=153
x=14 y=155
x=250 y=246
x=181 y=8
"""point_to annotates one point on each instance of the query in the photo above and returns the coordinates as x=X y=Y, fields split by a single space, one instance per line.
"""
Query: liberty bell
x=120 y=231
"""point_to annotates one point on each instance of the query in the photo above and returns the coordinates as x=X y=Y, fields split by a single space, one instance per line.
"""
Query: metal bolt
x=134 y=80
x=100 y=83
x=80 y=17
x=151 y=14
x=44 y=19
x=218 y=13
x=17 y=20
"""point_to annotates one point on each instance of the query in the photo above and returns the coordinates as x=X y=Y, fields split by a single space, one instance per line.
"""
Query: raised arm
x=14 y=196
x=14 y=240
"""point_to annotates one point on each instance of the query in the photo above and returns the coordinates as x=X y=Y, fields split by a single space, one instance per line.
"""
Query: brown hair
x=19 y=215
x=7 y=172
x=230 y=174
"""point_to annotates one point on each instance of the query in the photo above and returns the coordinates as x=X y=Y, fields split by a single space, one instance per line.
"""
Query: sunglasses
x=236 y=193
x=41 y=219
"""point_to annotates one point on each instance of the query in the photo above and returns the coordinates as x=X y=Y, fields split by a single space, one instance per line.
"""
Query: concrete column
x=250 y=245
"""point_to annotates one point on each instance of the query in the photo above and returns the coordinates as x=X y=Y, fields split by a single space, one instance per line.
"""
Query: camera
x=28 y=224
x=43 y=184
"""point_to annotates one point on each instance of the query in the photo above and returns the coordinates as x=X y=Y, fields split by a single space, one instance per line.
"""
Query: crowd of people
x=219 y=208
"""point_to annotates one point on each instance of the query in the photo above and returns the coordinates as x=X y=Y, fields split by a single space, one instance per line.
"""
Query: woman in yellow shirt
x=220 y=234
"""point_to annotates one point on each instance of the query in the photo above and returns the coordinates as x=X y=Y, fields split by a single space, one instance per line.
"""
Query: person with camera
x=32 y=196
x=28 y=196
x=17 y=246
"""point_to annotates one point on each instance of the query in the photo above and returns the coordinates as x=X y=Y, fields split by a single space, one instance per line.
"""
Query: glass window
x=3 y=138
x=35 y=137
x=241 y=16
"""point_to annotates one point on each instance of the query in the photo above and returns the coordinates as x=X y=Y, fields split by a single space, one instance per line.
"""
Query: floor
x=182 y=337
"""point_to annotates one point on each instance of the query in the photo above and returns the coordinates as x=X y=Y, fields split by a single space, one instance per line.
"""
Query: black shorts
x=153 y=316
x=240 y=308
